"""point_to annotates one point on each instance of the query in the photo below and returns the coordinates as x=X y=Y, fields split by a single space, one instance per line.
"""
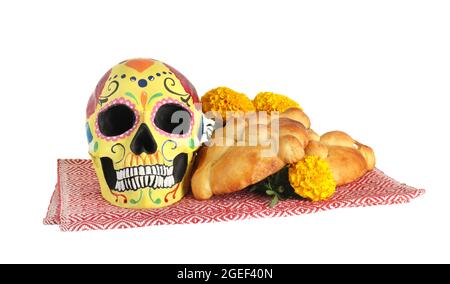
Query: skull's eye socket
x=173 y=119
x=116 y=120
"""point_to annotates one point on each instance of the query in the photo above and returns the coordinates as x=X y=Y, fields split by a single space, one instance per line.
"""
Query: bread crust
x=348 y=159
x=230 y=168
x=226 y=169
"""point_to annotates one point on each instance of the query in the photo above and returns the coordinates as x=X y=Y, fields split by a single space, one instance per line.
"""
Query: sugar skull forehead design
x=143 y=127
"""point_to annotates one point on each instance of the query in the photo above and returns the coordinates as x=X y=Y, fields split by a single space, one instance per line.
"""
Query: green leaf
x=280 y=189
x=274 y=201
x=276 y=186
x=267 y=186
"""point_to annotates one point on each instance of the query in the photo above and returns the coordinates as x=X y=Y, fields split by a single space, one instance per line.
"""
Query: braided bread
x=225 y=169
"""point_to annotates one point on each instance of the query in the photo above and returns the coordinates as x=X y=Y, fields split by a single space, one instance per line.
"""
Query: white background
x=377 y=69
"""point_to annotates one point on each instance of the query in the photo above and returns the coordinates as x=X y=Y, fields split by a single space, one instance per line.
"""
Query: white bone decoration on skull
x=143 y=127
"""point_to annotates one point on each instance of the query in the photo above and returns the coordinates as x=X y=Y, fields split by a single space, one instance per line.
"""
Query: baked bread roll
x=348 y=159
x=230 y=167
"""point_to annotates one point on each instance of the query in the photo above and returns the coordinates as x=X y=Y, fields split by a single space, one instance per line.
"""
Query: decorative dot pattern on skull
x=172 y=101
x=128 y=132
x=141 y=82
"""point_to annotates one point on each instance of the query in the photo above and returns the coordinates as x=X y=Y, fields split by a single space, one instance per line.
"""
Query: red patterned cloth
x=77 y=205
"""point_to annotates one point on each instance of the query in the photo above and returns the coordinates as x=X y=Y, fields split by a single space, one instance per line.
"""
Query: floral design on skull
x=143 y=128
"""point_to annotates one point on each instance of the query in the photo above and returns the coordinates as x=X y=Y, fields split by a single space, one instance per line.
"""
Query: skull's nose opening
x=143 y=141
x=109 y=172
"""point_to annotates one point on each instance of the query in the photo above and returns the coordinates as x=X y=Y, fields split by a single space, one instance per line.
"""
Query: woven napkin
x=77 y=204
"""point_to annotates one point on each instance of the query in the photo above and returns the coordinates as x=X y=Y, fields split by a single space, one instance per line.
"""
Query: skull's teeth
x=152 y=179
x=160 y=170
x=155 y=176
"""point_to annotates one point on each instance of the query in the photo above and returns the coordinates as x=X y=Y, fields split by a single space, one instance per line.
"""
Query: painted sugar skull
x=143 y=127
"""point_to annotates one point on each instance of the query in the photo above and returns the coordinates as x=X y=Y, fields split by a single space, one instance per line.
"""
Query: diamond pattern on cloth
x=77 y=205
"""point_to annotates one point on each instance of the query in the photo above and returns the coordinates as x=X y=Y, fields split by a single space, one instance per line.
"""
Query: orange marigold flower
x=225 y=100
x=312 y=179
x=267 y=101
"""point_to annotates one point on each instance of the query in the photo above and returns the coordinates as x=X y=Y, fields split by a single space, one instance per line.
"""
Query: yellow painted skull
x=143 y=127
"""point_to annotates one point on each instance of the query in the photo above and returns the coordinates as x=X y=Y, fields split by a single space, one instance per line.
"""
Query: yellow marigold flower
x=267 y=101
x=312 y=179
x=224 y=100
